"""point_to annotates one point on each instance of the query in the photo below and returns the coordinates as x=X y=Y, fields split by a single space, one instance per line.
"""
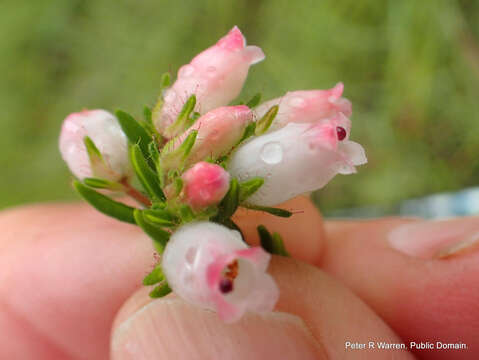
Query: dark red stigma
x=226 y=285
x=341 y=132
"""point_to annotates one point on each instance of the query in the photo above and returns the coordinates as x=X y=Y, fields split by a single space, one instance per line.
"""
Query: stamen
x=232 y=272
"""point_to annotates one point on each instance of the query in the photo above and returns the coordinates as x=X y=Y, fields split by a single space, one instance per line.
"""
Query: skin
x=70 y=288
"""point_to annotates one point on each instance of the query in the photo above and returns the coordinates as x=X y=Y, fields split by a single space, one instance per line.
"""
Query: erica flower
x=306 y=106
x=297 y=158
x=209 y=265
x=215 y=76
x=205 y=184
x=105 y=132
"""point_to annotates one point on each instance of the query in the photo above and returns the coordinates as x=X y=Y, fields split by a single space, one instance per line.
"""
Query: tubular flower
x=218 y=131
x=205 y=184
x=215 y=76
x=306 y=106
x=296 y=159
x=209 y=265
x=105 y=132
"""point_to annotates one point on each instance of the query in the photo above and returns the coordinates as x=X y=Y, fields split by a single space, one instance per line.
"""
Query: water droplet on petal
x=297 y=102
x=271 y=153
x=186 y=70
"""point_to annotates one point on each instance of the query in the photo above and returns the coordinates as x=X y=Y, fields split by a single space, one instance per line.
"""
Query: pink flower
x=296 y=159
x=205 y=184
x=215 y=76
x=306 y=106
x=209 y=265
x=218 y=131
x=105 y=131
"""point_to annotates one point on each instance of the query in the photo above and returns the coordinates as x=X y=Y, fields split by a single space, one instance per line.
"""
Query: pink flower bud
x=205 y=184
x=209 y=265
x=105 y=131
x=218 y=131
x=215 y=76
x=296 y=159
x=306 y=106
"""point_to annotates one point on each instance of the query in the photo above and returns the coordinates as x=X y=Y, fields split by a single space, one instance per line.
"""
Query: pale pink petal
x=306 y=106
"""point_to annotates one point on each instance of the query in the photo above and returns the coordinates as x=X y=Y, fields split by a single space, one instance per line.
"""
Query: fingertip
x=171 y=328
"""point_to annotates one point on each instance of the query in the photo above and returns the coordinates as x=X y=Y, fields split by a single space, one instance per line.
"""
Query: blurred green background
x=411 y=69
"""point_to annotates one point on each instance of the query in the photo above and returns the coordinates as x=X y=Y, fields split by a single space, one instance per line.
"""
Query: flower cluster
x=195 y=159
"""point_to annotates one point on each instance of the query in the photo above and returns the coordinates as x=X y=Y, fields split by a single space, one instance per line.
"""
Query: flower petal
x=306 y=106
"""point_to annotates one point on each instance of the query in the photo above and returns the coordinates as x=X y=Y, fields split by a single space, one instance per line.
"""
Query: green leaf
x=195 y=116
x=270 y=210
x=183 y=121
x=178 y=183
x=154 y=152
x=154 y=277
x=105 y=205
x=186 y=213
x=160 y=217
x=102 y=184
x=160 y=290
x=148 y=178
x=159 y=236
x=147 y=115
x=248 y=132
x=254 y=101
x=230 y=202
x=135 y=133
x=187 y=145
x=249 y=187
x=278 y=246
x=271 y=243
x=98 y=165
x=265 y=238
x=91 y=148
x=263 y=124
x=174 y=158
x=165 y=80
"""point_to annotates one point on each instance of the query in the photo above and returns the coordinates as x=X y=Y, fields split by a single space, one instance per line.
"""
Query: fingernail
x=173 y=329
x=436 y=239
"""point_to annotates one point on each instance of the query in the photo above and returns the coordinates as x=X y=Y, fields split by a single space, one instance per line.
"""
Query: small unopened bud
x=218 y=132
x=215 y=76
x=205 y=184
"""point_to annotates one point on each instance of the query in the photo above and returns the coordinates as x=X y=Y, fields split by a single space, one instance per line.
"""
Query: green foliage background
x=410 y=67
